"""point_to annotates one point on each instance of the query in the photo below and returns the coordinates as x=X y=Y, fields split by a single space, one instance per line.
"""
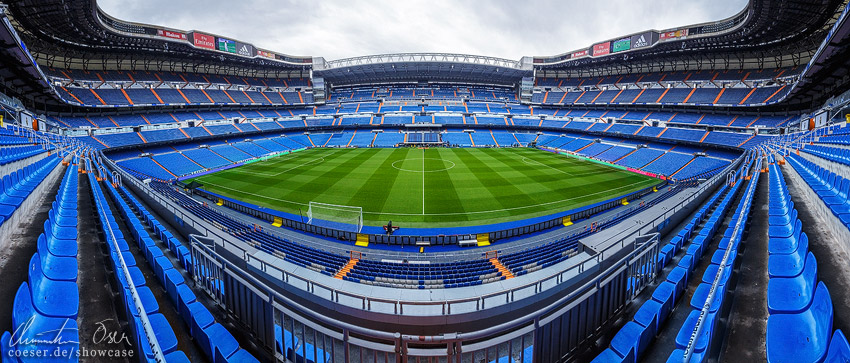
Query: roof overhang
x=417 y=67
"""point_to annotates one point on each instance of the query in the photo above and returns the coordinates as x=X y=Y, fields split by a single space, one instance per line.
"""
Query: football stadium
x=667 y=195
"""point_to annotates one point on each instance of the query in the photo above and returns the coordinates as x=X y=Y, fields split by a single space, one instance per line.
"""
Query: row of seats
x=728 y=246
x=14 y=140
x=800 y=322
x=680 y=76
x=418 y=92
x=841 y=139
x=122 y=258
x=185 y=96
x=12 y=154
x=213 y=338
x=632 y=340
x=831 y=188
x=834 y=154
x=661 y=95
x=362 y=113
x=180 y=77
x=49 y=301
x=18 y=185
x=481 y=138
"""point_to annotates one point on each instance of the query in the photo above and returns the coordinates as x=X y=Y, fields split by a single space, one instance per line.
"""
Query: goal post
x=335 y=213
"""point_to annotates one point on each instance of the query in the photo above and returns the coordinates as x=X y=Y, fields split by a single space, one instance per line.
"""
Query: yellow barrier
x=219 y=202
x=277 y=222
x=483 y=239
x=362 y=240
x=625 y=201
x=568 y=221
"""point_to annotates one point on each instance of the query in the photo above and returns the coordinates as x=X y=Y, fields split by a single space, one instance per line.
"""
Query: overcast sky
x=347 y=28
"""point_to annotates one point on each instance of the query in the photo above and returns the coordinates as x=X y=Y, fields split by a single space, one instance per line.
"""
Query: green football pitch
x=436 y=187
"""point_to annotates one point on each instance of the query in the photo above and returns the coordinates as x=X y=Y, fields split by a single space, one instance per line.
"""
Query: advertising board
x=644 y=40
x=601 y=49
x=170 y=34
x=622 y=45
x=579 y=54
x=203 y=40
x=226 y=45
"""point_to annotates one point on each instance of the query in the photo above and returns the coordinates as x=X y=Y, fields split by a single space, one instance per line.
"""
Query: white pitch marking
x=535 y=162
x=450 y=214
x=423 y=182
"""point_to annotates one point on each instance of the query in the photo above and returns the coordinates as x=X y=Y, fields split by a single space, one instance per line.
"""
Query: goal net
x=340 y=214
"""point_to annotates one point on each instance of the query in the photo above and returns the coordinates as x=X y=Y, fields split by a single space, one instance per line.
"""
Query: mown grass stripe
x=483 y=186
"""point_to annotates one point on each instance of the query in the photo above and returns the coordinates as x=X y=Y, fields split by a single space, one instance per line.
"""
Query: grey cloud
x=501 y=28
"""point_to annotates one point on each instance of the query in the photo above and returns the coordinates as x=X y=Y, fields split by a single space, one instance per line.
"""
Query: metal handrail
x=639 y=251
x=137 y=302
x=720 y=270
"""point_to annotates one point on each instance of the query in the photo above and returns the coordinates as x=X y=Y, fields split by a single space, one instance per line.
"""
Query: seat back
x=22 y=309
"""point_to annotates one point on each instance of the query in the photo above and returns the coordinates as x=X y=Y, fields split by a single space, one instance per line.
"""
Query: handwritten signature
x=23 y=336
x=103 y=335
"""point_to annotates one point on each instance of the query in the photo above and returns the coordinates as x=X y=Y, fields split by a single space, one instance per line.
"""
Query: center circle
x=445 y=168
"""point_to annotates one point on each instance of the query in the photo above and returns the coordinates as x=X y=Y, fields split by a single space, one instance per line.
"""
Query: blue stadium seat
x=217 y=342
x=59 y=299
x=610 y=356
x=177 y=357
x=164 y=334
x=198 y=319
x=241 y=356
x=801 y=337
x=25 y=314
x=839 y=349
x=793 y=294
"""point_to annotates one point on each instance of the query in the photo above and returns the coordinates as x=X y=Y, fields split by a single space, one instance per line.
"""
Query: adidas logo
x=640 y=42
x=244 y=50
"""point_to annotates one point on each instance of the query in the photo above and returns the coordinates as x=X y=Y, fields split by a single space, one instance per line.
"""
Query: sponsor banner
x=674 y=34
x=622 y=45
x=171 y=34
x=245 y=49
x=266 y=54
x=601 y=49
x=203 y=40
x=226 y=45
x=644 y=40
x=579 y=54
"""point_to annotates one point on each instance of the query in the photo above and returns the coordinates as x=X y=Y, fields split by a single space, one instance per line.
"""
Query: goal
x=335 y=213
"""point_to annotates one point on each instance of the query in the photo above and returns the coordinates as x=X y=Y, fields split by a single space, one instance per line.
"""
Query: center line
x=423 y=181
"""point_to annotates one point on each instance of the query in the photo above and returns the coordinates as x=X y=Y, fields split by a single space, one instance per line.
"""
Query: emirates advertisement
x=601 y=49
x=203 y=41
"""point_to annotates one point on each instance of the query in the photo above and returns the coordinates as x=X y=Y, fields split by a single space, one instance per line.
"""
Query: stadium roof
x=423 y=66
x=768 y=33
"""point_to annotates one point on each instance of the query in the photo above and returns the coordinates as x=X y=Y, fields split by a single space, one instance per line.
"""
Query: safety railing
x=736 y=233
x=212 y=272
x=137 y=302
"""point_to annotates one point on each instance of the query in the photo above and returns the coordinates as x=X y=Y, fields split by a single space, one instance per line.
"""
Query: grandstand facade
x=737 y=130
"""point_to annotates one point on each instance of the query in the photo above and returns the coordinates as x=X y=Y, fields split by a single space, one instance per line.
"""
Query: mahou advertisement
x=171 y=34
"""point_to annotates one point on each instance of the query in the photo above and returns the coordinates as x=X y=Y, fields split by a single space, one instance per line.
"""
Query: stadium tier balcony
x=177 y=163
x=206 y=158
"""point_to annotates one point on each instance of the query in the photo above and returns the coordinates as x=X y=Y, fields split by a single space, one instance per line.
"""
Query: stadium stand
x=112 y=144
